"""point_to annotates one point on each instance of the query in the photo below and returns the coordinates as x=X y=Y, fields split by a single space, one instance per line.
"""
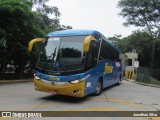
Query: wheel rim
x=98 y=89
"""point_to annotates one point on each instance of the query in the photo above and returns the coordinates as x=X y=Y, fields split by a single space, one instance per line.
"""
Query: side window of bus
x=92 y=55
x=108 y=52
x=104 y=51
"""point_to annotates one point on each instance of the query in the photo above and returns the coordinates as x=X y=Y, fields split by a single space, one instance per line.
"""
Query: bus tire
x=99 y=87
x=119 y=80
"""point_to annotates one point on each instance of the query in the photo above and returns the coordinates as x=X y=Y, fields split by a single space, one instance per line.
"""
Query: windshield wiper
x=62 y=61
x=53 y=54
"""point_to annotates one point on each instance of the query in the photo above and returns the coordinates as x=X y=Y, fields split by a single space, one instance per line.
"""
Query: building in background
x=131 y=64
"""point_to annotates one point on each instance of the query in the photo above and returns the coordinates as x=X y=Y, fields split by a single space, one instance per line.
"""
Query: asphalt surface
x=129 y=96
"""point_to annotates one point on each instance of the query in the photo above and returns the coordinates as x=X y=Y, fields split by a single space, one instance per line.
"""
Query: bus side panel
x=108 y=73
x=95 y=74
x=90 y=85
x=107 y=70
x=114 y=74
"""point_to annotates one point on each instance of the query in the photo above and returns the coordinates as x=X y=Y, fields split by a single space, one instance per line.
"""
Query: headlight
x=80 y=80
x=75 y=81
x=36 y=77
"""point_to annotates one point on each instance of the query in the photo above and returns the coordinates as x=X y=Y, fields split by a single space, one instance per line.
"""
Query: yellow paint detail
x=97 y=109
x=154 y=118
x=62 y=90
x=34 y=106
x=30 y=46
x=86 y=43
x=108 y=68
x=120 y=101
x=53 y=78
x=129 y=74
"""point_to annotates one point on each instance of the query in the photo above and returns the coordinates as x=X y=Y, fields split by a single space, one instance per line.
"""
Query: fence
x=9 y=72
x=12 y=76
x=145 y=75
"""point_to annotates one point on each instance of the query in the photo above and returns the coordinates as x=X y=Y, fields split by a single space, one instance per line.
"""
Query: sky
x=100 y=15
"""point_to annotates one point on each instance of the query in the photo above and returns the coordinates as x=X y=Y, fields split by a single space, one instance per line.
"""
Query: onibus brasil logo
x=21 y=114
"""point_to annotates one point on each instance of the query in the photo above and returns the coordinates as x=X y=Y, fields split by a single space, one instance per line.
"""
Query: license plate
x=53 y=92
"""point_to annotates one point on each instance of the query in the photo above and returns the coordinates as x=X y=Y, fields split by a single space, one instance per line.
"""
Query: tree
x=143 y=13
x=140 y=41
x=119 y=42
x=18 y=25
x=17 y=29
x=48 y=16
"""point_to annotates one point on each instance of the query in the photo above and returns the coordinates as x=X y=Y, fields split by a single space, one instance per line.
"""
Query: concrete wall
x=130 y=70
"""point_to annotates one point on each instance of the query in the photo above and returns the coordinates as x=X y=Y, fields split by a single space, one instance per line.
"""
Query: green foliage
x=138 y=13
x=119 y=42
x=47 y=23
x=19 y=24
x=140 y=41
x=145 y=14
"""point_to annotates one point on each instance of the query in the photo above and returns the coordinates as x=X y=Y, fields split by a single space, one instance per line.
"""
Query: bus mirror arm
x=30 y=47
x=32 y=42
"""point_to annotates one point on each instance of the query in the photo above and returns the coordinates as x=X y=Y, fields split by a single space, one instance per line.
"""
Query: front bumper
x=76 y=90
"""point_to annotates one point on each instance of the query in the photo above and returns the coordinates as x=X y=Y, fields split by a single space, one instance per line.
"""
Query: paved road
x=126 y=97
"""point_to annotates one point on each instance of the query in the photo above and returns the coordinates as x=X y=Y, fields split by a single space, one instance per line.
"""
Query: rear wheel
x=99 y=88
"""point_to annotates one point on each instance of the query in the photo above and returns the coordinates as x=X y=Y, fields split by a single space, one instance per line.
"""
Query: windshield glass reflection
x=62 y=54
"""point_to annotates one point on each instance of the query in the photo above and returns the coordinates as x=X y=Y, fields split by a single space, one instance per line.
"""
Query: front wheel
x=99 y=88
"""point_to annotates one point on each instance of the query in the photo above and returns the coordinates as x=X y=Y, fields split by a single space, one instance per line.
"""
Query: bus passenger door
x=90 y=64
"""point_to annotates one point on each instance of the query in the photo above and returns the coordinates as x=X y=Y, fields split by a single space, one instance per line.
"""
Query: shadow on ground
x=68 y=99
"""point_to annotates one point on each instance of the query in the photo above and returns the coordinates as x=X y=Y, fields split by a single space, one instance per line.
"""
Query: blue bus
x=76 y=63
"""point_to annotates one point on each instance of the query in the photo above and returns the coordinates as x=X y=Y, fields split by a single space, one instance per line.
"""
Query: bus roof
x=73 y=32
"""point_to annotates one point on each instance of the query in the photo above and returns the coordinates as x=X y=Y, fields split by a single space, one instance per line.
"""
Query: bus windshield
x=61 y=55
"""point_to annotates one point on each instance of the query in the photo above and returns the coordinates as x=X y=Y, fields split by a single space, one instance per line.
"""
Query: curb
x=145 y=84
x=13 y=81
